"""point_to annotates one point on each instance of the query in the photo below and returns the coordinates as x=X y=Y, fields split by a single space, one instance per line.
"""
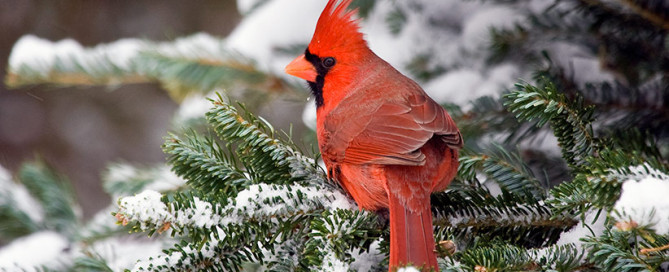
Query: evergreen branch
x=570 y=120
x=511 y=258
x=611 y=252
x=198 y=62
x=91 y=262
x=488 y=117
x=275 y=209
x=264 y=155
x=572 y=197
x=560 y=258
x=53 y=193
x=335 y=233
x=23 y=77
x=500 y=257
x=15 y=220
x=283 y=256
x=149 y=211
x=205 y=165
x=180 y=74
x=600 y=188
x=520 y=219
x=227 y=254
x=505 y=168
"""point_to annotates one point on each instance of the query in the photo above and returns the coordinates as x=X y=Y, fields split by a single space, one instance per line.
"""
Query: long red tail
x=411 y=236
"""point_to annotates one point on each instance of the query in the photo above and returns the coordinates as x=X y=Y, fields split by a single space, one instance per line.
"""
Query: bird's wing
x=389 y=133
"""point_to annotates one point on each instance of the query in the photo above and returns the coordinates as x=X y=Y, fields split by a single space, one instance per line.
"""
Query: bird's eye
x=328 y=62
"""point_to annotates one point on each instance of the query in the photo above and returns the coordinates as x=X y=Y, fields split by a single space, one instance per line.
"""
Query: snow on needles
x=16 y=195
x=645 y=202
x=257 y=201
x=43 y=56
x=644 y=193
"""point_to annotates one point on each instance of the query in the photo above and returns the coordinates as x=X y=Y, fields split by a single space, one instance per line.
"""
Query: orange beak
x=302 y=68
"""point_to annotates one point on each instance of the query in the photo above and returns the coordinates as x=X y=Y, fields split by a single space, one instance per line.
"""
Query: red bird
x=381 y=137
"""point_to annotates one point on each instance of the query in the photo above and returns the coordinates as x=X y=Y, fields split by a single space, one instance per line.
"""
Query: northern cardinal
x=380 y=135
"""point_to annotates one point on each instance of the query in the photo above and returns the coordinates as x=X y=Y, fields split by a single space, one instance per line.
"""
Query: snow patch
x=121 y=254
x=278 y=23
x=476 y=29
x=45 y=247
x=366 y=261
x=408 y=269
x=587 y=227
x=459 y=86
x=641 y=198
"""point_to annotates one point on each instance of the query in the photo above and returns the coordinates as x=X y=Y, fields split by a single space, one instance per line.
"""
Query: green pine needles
x=561 y=173
x=253 y=200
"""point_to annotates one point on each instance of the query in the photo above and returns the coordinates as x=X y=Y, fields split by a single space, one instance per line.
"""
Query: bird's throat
x=317 y=89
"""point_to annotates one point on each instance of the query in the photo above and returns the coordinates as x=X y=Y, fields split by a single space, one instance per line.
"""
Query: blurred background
x=600 y=67
x=79 y=130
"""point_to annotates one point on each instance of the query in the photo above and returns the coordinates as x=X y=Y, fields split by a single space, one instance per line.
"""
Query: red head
x=335 y=49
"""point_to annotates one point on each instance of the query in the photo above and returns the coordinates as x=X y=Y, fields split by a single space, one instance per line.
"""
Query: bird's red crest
x=336 y=29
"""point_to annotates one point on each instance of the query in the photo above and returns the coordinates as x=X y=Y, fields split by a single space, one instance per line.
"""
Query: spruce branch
x=601 y=188
x=336 y=234
x=570 y=120
x=520 y=219
x=265 y=156
x=505 y=168
x=199 y=62
x=204 y=164
x=612 y=252
x=54 y=194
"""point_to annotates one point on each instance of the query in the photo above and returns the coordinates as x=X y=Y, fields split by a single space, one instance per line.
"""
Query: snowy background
x=81 y=130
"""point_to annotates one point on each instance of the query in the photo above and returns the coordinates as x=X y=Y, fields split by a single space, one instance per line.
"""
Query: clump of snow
x=159 y=178
x=121 y=52
x=583 y=66
x=121 y=254
x=45 y=248
x=476 y=29
x=641 y=198
x=459 y=86
x=277 y=23
x=332 y=263
x=121 y=172
x=589 y=70
x=165 y=180
x=408 y=269
x=262 y=199
x=201 y=215
x=588 y=227
x=643 y=171
x=259 y=200
x=43 y=55
x=194 y=106
x=145 y=207
x=198 y=45
x=366 y=261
